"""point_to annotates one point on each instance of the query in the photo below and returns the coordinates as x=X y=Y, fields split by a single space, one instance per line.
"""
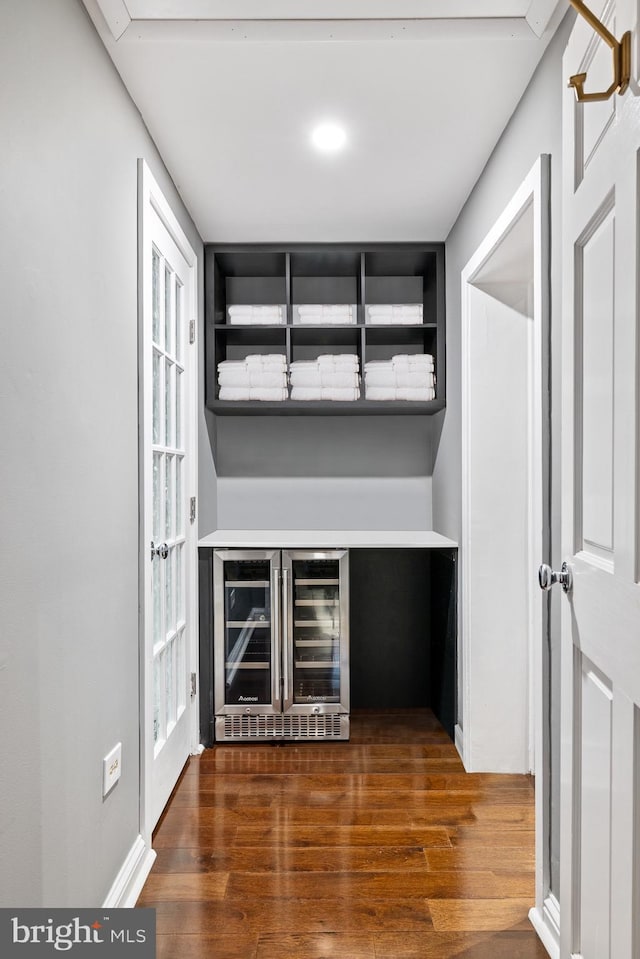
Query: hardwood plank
x=206 y=947
x=188 y=835
x=463 y=945
x=389 y=885
x=296 y=859
x=522 y=815
x=212 y=763
x=485 y=914
x=478 y=835
x=291 y=916
x=336 y=945
x=181 y=887
x=485 y=857
x=269 y=794
x=327 y=814
x=341 y=835
x=338 y=782
x=253 y=753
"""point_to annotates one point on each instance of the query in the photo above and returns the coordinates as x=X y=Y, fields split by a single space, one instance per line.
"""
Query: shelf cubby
x=327 y=274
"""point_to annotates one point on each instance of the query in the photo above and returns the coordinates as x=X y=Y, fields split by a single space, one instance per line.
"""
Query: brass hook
x=621 y=58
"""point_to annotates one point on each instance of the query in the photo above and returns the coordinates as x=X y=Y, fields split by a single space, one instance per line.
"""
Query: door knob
x=547 y=577
x=162 y=550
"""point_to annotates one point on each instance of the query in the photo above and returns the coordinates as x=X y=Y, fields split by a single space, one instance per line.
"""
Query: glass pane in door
x=316 y=631
x=168 y=578
x=247 y=632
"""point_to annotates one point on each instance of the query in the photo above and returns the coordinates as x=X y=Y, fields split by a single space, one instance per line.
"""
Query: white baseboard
x=459 y=741
x=131 y=878
x=546 y=922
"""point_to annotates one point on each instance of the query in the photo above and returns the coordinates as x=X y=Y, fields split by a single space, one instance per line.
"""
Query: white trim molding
x=546 y=922
x=151 y=203
x=116 y=16
x=131 y=877
x=543 y=15
x=534 y=191
x=459 y=740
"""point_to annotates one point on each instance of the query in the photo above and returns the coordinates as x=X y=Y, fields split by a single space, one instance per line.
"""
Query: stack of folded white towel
x=257 y=377
x=257 y=316
x=330 y=377
x=396 y=315
x=403 y=377
x=324 y=314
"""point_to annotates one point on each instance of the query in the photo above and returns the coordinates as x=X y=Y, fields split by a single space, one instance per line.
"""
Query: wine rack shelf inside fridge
x=281 y=644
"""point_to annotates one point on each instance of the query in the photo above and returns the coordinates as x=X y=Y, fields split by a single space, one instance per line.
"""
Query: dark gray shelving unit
x=359 y=274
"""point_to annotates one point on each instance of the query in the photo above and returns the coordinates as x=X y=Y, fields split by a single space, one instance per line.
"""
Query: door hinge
x=192 y=509
x=192 y=331
x=194 y=685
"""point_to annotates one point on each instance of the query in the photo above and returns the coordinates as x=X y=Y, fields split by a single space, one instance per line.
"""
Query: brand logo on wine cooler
x=247 y=699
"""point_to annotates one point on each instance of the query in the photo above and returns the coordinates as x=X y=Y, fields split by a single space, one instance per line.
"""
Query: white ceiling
x=230 y=89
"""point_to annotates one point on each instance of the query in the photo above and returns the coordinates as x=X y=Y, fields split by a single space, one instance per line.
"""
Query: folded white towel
x=324 y=393
x=341 y=360
x=249 y=310
x=420 y=395
x=378 y=365
x=412 y=378
x=252 y=393
x=425 y=359
x=380 y=393
x=304 y=365
x=409 y=315
x=413 y=368
x=234 y=365
x=395 y=309
x=246 y=377
x=325 y=309
x=391 y=393
x=267 y=359
x=324 y=378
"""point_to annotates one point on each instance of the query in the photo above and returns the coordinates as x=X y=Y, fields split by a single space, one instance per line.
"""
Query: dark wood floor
x=380 y=848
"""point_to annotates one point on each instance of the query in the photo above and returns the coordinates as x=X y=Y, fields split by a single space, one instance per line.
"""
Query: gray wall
x=535 y=128
x=324 y=472
x=69 y=506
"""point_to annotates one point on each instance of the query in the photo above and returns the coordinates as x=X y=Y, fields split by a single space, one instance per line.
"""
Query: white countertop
x=326 y=539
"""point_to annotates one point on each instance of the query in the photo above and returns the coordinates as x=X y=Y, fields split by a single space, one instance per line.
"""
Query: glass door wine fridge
x=281 y=644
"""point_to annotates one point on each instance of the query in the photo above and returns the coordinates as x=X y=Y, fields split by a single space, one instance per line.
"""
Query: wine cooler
x=281 y=644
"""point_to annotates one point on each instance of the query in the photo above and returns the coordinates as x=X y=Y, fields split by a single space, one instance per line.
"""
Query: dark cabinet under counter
x=402 y=625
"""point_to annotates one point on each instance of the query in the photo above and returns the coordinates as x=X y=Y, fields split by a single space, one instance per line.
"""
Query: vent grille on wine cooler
x=330 y=726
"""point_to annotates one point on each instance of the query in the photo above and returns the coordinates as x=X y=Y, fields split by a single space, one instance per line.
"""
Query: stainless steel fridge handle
x=286 y=650
x=275 y=633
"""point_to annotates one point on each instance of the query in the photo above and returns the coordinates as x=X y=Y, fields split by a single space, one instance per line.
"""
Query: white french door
x=600 y=752
x=167 y=485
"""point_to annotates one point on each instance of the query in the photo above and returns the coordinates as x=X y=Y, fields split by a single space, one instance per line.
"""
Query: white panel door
x=167 y=385
x=601 y=612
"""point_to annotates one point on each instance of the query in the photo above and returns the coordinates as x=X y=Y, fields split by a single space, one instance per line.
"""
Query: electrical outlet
x=111 y=769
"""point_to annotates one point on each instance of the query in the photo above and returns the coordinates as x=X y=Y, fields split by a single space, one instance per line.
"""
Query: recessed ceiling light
x=328 y=137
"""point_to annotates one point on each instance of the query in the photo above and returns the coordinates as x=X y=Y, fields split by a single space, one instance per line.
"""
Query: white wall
x=534 y=128
x=68 y=420
x=361 y=502
x=323 y=472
